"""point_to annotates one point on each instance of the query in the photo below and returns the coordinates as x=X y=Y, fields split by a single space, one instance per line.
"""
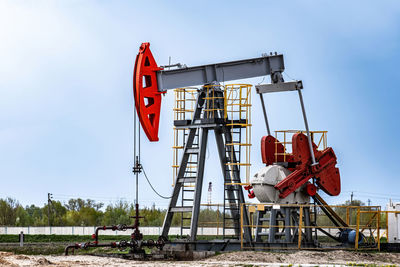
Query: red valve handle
x=145 y=91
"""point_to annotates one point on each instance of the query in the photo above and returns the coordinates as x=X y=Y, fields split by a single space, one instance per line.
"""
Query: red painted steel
x=268 y=145
x=326 y=175
x=145 y=91
x=311 y=189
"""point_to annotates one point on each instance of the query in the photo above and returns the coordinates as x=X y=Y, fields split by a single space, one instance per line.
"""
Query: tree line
x=80 y=212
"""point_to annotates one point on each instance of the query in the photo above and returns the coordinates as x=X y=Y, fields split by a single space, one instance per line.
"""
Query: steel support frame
x=182 y=168
x=285 y=87
x=199 y=184
x=222 y=136
x=290 y=229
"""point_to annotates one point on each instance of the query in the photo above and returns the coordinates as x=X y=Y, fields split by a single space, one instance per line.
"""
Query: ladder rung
x=192 y=151
x=187 y=180
x=187 y=190
x=181 y=209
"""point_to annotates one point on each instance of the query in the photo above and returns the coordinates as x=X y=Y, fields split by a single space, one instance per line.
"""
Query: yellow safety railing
x=366 y=221
x=237 y=112
x=185 y=103
x=317 y=137
x=236 y=109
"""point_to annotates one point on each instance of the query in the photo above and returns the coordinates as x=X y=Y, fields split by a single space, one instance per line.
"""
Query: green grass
x=35 y=250
x=64 y=238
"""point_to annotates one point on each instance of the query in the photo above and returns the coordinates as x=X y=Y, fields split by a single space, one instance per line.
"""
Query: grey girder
x=220 y=72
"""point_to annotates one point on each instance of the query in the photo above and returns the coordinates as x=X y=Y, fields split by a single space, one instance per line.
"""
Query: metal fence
x=89 y=230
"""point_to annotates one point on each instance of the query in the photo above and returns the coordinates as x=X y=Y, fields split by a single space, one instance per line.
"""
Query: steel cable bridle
x=138 y=167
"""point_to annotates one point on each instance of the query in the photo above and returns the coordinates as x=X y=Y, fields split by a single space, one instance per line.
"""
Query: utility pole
x=351 y=199
x=209 y=194
x=49 y=197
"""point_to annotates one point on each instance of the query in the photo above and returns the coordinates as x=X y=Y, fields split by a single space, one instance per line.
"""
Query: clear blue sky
x=66 y=104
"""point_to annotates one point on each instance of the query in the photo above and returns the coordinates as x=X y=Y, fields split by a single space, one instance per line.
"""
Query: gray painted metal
x=181 y=171
x=234 y=192
x=199 y=184
x=279 y=87
x=307 y=129
x=265 y=114
x=287 y=232
x=181 y=209
x=220 y=72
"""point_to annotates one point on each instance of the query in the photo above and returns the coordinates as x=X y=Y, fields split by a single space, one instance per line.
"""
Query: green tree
x=117 y=214
x=22 y=217
x=8 y=211
x=152 y=217
x=36 y=215
x=83 y=212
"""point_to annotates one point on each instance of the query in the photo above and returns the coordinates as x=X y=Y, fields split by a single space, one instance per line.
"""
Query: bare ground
x=242 y=258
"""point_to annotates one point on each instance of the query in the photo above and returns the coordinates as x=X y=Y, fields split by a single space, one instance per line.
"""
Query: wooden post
x=357 y=228
x=300 y=225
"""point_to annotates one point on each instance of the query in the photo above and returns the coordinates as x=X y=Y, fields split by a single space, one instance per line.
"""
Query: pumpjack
x=288 y=178
x=308 y=168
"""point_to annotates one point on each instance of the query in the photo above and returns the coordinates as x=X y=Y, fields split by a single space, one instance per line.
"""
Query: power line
x=374 y=193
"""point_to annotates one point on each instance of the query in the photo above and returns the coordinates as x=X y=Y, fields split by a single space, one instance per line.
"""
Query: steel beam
x=279 y=87
x=220 y=72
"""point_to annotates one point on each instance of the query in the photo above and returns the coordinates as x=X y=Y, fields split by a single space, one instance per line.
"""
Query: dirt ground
x=243 y=258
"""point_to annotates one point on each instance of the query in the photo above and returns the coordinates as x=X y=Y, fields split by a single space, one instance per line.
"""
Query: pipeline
x=134 y=245
x=119 y=227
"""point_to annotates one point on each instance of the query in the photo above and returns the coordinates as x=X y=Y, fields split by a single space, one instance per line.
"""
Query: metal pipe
x=120 y=227
x=265 y=113
x=134 y=244
x=308 y=131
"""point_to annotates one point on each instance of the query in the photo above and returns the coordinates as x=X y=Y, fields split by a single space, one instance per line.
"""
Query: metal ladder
x=188 y=182
x=187 y=190
x=231 y=211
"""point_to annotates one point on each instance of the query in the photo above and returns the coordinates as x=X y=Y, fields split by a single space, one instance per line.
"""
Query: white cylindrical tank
x=263 y=183
x=393 y=222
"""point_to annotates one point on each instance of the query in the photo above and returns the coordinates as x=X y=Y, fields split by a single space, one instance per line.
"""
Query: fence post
x=379 y=226
x=387 y=227
x=21 y=239
x=357 y=227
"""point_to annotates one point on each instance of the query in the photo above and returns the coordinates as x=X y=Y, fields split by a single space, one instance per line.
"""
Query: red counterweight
x=145 y=90
x=326 y=174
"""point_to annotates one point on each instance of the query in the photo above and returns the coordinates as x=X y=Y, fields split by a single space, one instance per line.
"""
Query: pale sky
x=66 y=103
